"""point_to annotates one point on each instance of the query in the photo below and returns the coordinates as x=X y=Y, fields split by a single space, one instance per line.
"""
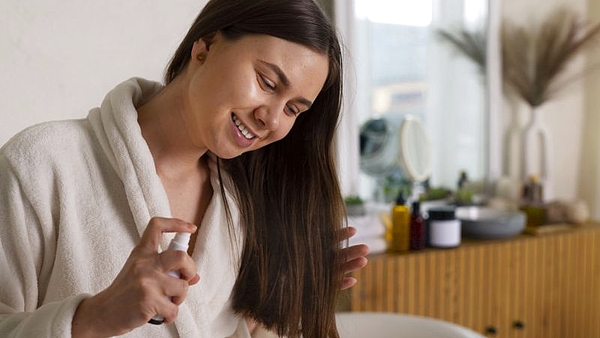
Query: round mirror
x=395 y=142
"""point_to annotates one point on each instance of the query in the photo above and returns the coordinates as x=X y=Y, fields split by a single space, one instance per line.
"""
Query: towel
x=75 y=197
x=367 y=226
x=370 y=230
x=376 y=244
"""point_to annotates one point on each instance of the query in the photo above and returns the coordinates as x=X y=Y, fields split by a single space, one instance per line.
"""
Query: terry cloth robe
x=75 y=198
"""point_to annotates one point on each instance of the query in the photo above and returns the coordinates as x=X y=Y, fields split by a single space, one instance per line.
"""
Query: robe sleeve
x=26 y=259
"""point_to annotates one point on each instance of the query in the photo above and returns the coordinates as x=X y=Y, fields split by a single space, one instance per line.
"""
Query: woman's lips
x=242 y=128
x=238 y=131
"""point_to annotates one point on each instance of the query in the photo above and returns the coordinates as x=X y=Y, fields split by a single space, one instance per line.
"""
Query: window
x=397 y=65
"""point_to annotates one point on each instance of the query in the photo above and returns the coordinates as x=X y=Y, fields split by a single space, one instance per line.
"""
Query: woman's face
x=247 y=93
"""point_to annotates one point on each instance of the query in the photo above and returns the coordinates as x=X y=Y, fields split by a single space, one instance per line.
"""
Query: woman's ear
x=202 y=45
x=208 y=39
x=199 y=47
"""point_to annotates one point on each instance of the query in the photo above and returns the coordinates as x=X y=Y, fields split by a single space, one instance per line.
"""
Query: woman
x=239 y=142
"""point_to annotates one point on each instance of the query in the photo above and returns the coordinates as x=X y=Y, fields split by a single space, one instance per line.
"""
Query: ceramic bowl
x=489 y=223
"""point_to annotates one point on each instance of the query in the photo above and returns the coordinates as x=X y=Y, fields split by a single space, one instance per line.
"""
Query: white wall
x=59 y=58
x=589 y=179
x=563 y=116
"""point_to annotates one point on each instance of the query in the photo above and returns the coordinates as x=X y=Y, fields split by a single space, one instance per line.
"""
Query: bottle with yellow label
x=400 y=239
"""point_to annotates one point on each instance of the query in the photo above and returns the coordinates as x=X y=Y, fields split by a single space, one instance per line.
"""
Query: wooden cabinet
x=529 y=286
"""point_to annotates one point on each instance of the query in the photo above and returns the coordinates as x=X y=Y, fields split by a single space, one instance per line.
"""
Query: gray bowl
x=489 y=223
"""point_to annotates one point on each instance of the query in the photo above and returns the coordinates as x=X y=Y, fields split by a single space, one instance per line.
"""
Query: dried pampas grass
x=471 y=44
x=533 y=56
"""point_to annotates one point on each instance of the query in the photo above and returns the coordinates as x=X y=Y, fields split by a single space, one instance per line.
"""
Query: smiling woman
x=271 y=82
x=233 y=151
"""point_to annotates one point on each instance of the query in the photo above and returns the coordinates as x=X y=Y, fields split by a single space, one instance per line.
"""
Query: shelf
x=545 y=282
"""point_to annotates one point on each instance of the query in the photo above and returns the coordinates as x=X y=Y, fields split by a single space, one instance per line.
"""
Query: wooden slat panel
x=481 y=288
x=594 y=273
x=518 y=278
x=546 y=282
x=465 y=287
x=537 y=280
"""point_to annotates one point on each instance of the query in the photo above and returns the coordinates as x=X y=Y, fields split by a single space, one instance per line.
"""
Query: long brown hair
x=291 y=207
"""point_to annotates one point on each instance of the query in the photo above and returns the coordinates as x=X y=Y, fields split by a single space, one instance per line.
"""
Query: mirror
x=399 y=66
x=395 y=146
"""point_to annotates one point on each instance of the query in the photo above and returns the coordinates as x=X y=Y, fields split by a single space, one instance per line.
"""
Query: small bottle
x=179 y=242
x=463 y=194
x=533 y=193
x=400 y=240
x=417 y=227
x=533 y=202
x=462 y=180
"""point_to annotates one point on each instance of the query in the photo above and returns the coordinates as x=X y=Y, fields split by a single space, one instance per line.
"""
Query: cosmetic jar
x=443 y=227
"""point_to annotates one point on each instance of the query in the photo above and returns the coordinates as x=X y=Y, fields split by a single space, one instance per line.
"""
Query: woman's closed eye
x=292 y=109
x=270 y=86
x=266 y=83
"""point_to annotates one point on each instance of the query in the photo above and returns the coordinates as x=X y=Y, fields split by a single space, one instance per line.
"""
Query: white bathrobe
x=75 y=197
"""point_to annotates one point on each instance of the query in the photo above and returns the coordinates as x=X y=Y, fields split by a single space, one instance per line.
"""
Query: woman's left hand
x=355 y=259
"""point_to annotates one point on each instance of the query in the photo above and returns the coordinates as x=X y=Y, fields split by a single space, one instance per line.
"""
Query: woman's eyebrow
x=280 y=74
x=284 y=79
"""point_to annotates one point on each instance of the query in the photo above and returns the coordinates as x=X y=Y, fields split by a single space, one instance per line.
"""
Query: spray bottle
x=180 y=242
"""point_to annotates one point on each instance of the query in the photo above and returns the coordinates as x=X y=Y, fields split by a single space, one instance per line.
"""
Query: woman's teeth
x=242 y=129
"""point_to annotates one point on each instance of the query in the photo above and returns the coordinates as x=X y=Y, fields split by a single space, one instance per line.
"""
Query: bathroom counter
x=526 y=286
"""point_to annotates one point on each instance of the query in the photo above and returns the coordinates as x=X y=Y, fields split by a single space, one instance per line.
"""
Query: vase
x=513 y=145
x=535 y=160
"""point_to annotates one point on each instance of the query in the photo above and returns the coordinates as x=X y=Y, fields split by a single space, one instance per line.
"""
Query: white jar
x=443 y=228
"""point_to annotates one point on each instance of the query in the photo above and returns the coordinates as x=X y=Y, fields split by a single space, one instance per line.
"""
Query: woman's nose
x=268 y=116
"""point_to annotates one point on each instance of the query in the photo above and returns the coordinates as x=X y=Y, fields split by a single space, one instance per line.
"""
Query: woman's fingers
x=354 y=258
x=179 y=261
x=354 y=264
x=348 y=282
x=177 y=269
x=167 y=308
x=348 y=232
x=351 y=231
x=175 y=288
x=355 y=251
x=152 y=236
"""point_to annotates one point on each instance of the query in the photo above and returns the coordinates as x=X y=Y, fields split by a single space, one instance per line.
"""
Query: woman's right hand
x=142 y=289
